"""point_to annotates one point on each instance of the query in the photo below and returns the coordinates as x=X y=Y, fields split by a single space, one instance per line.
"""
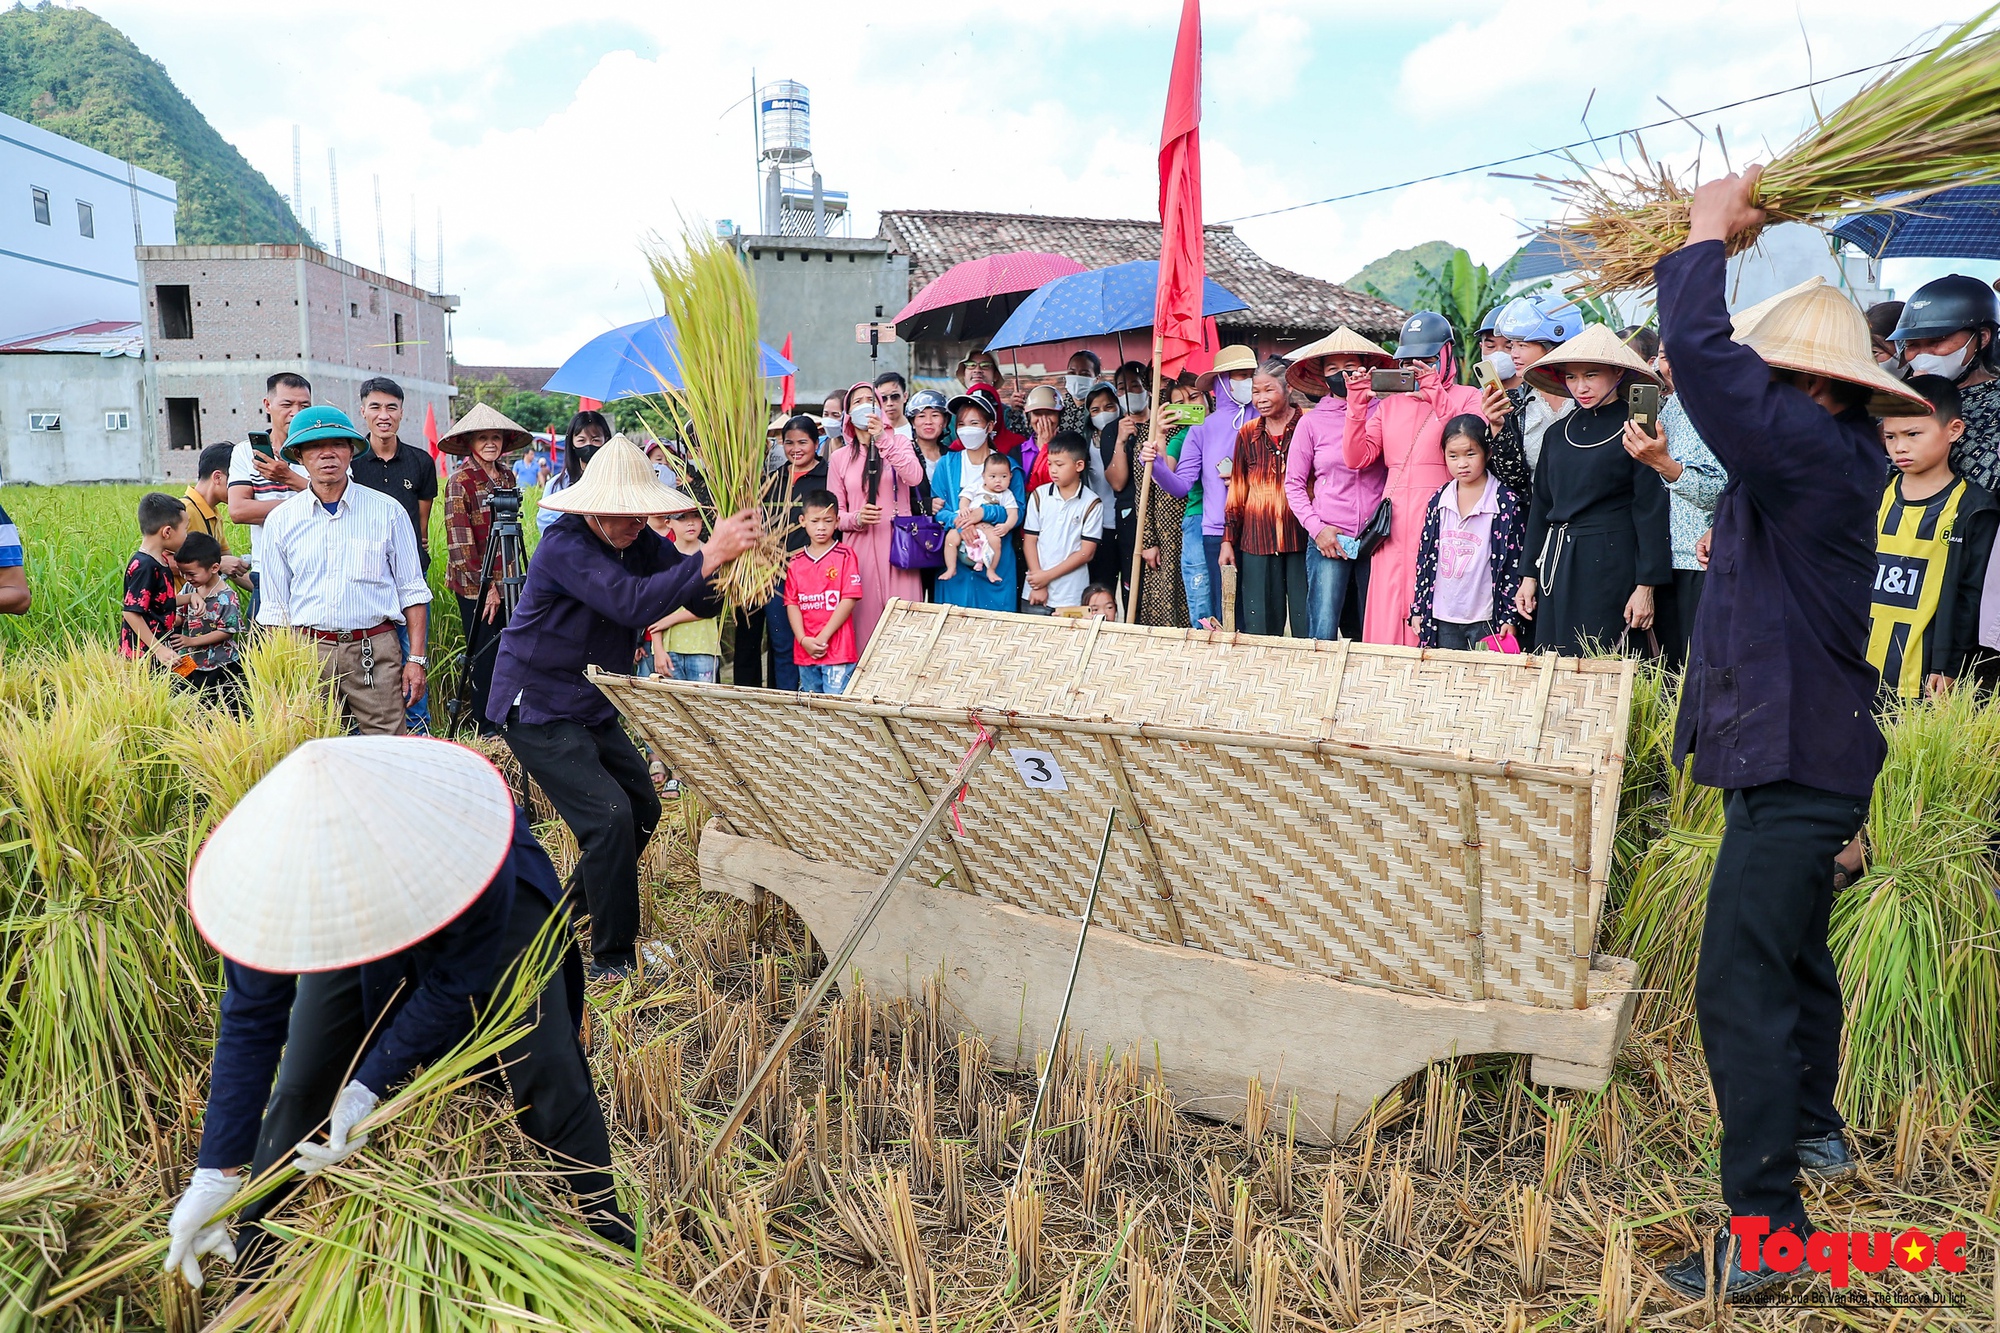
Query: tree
x=1462 y=292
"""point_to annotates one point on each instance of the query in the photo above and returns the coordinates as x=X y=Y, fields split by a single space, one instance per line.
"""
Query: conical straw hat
x=1746 y=319
x=619 y=482
x=1597 y=345
x=350 y=849
x=1817 y=331
x=1308 y=372
x=483 y=417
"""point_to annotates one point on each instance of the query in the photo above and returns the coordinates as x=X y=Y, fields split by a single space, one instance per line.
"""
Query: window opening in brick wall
x=184 y=423
x=176 y=310
x=398 y=335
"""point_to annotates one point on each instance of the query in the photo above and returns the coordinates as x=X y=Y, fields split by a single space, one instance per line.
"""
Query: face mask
x=1135 y=403
x=832 y=419
x=862 y=415
x=1102 y=419
x=1078 y=385
x=586 y=452
x=972 y=437
x=1239 y=391
x=1950 y=366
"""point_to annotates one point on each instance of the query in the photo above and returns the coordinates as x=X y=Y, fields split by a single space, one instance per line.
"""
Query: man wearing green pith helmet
x=371 y=945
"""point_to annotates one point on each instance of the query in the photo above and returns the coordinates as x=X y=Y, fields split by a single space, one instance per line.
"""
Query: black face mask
x=584 y=453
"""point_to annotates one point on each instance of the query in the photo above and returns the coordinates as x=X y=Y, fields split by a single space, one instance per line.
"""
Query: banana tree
x=1462 y=292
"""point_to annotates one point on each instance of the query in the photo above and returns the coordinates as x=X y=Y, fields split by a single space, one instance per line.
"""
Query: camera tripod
x=504 y=565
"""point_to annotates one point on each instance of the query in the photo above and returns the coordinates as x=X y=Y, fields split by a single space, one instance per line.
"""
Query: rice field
x=875 y=1187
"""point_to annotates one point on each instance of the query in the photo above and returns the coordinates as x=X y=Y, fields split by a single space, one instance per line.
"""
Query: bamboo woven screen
x=1432 y=822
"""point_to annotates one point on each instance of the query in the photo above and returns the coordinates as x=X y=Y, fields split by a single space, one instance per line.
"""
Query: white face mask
x=1239 y=390
x=1951 y=365
x=1078 y=385
x=862 y=415
x=972 y=437
x=1135 y=403
x=1102 y=419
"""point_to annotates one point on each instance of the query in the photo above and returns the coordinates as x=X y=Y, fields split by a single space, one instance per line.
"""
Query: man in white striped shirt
x=339 y=563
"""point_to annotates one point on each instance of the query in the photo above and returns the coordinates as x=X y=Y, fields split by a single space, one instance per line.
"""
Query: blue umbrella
x=634 y=361
x=1097 y=302
x=1952 y=224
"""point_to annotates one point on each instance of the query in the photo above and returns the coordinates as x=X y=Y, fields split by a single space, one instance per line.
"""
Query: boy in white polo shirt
x=1061 y=527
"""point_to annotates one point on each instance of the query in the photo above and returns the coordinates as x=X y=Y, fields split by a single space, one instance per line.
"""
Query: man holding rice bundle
x=1777 y=710
x=371 y=945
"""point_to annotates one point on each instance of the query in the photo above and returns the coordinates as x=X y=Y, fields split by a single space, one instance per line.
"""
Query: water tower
x=795 y=201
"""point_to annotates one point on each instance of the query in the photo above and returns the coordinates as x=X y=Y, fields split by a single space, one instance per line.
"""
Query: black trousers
x=598 y=783
x=545 y=1071
x=482 y=650
x=1271 y=587
x=1676 y=621
x=1767 y=994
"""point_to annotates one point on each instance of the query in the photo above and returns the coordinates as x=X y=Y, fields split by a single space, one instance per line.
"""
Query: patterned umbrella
x=1953 y=224
x=972 y=299
x=1101 y=301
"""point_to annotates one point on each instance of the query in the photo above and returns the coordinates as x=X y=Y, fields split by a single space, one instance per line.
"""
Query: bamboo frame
x=901 y=759
x=1475 y=913
x=1114 y=762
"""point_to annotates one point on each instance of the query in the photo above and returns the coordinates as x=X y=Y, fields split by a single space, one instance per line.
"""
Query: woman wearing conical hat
x=370 y=945
x=597 y=580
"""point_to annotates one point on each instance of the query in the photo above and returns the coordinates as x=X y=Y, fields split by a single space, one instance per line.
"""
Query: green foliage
x=525 y=407
x=1396 y=276
x=1462 y=292
x=73 y=74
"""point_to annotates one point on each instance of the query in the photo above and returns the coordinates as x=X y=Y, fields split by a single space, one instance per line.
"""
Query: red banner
x=1177 y=312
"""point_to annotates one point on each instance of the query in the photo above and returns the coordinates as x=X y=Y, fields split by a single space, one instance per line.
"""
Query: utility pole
x=333 y=188
x=413 y=241
x=298 y=182
x=440 y=250
x=381 y=246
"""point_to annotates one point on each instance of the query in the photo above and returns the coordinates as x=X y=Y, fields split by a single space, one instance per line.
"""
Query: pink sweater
x=1322 y=489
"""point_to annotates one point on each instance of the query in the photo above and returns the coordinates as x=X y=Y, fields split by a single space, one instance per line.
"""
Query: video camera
x=504 y=503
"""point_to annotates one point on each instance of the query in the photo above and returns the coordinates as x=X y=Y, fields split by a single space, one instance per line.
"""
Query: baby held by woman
x=982 y=542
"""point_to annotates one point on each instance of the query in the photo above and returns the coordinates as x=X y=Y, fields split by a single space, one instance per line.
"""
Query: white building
x=73 y=407
x=70 y=218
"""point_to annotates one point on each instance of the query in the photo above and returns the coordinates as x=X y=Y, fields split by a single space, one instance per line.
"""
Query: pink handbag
x=1503 y=642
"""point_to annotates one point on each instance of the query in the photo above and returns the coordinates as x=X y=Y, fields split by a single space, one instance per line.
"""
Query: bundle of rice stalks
x=712 y=304
x=1930 y=124
x=1660 y=912
x=1916 y=938
x=39 y=1197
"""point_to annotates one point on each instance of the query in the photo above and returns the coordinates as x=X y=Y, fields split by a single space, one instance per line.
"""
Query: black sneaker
x=1826 y=1160
x=595 y=972
x=1692 y=1275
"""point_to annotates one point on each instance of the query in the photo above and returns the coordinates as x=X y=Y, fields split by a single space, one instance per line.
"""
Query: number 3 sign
x=1039 y=770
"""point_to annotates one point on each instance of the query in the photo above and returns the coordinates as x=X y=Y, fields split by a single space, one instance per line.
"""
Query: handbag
x=1375 y=531
x=916 y=539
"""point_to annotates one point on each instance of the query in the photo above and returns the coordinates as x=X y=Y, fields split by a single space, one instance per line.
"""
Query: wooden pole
x=1146 y=482
x=836 y=963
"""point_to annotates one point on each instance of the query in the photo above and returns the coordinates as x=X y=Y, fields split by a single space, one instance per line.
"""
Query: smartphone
x=1175 y=415
x=1392 y=381
x=1644 y=403
x=263 y=447
x=1486 y=375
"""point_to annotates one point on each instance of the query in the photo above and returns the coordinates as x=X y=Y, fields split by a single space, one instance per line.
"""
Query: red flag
x=431 y=428
x=590 y=404
x=1177 y=308
x=790 y=381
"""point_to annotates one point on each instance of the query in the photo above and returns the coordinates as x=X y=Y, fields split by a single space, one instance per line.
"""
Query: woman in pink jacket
x=1331 y=500
x=1404 y=434
x=872 y=473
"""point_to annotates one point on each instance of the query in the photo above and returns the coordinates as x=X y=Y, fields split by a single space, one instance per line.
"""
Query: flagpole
x=1146 y=483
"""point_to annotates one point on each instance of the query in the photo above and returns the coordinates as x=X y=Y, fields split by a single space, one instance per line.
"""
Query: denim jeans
x=702 y=668
x=784 y=672
x=1211 y=551
x=1194 y=572
x=1333 y=586
x=826 y=678
x=417 y=716
x=1452 y=634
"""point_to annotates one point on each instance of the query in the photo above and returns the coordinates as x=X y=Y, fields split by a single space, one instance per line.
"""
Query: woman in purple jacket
x=1332 y=500
x=1207 y=452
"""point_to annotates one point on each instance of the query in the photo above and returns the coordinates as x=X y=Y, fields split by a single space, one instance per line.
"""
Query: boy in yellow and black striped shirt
x=1933 y=537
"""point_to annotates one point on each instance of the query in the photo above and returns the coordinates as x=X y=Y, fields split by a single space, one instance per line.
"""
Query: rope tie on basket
x=984 y=737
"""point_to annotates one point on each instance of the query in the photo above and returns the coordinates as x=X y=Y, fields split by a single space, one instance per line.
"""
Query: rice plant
x=1930 y=124
x=712 y=304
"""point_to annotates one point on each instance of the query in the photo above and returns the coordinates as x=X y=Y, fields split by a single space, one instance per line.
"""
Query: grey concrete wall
x=83 y=387
x=817 y=288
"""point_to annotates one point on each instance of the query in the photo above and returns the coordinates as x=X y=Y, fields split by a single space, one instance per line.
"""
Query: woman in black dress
x=1597 y=540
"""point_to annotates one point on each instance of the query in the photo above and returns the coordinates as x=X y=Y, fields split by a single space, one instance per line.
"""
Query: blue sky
x=555 y=139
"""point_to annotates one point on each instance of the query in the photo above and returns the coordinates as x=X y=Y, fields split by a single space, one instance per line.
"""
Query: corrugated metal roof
x=1282 y=303
x=103 y=337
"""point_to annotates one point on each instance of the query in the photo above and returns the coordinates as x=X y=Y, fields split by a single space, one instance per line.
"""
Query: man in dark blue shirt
x=598 y=578
x=335 y=939
x=1776 y=710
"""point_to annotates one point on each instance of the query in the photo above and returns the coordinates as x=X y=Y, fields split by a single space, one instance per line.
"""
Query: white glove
x=349 y=1109
x=190 y=1232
